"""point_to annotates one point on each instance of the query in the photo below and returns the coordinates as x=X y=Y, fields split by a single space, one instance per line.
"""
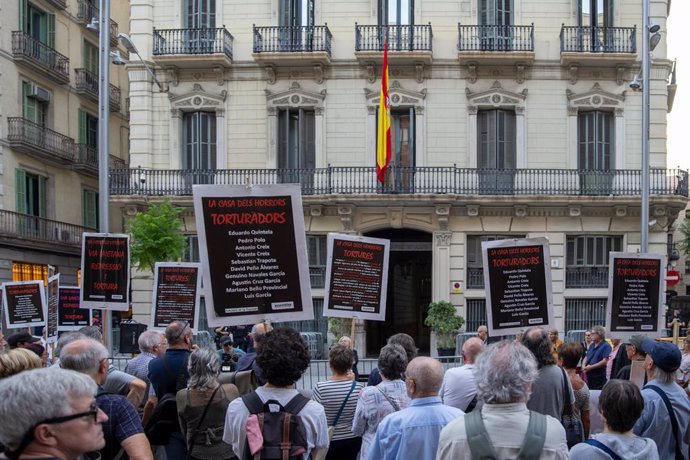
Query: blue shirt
x=595 y=354
x=655 y=422
x=412 y=433
x=164 y=378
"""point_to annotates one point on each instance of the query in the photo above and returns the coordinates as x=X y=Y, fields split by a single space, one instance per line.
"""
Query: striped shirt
x=331 y=394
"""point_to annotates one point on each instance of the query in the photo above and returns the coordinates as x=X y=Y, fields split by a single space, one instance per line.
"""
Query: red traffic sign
x=672 y=277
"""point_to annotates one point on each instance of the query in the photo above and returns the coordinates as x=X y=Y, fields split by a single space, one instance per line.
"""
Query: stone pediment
x=198 y=99
x=295 y=97
x=398 y=96
x=496 y=97
x=595 y=98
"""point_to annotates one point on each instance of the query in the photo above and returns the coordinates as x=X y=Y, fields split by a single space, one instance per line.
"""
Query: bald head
x=423 y=377
x=483 y=332
x=87 y=356
x=470 y=349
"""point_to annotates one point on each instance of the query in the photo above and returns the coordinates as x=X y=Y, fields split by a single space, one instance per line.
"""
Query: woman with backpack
x=201 y=408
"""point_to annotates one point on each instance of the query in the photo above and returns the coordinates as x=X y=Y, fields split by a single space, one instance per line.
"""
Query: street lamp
x=131 y=48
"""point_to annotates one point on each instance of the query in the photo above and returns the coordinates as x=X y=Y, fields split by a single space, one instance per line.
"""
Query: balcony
x=40 y=142
x=586 y=277
x=475 y=277
x=86 y=84
x=190 y=48
x=37 y=231
x=603 y=46
x=88 y=11
x=494 y=44
x=86 y=161
x=287 y=45
x=317 y=276
x=39 y=57
x=59 y=4
x=359 y=180
x=407 y=44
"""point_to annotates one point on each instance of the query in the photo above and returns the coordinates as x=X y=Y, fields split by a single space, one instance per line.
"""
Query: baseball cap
x=225 y=339
x=666 y=356
x=19 y=337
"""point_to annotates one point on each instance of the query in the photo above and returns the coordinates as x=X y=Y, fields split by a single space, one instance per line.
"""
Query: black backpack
x=282 y=428
x=163 y=421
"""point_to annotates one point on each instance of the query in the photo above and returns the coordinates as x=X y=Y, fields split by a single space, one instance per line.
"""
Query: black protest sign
x=52 y=305
x=105 y=271
x=70 y=315
x=176 y=293
x=25 y=304
x=253 y=253
x=356 y=277
x=635 y=294
x=518 y=279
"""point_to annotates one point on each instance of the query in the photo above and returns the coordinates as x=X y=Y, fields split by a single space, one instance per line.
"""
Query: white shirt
x=459 y=387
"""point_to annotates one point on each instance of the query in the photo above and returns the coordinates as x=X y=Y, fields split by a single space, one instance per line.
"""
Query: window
x=595 y=13
x=400 y=172
x=318 y=255
x=396 y=12
x=37 y=23
x=90 y=208
x=192 y=252
x=34 y=108
x=476 y=314
x=582 y=314
x=88 y=129
x=200 y=17
x=296 y=145
x=587 y=260
x=495 y=19
x=496 y=153
x=91 y=57
x=199 y=140
x=296 y=13
x=24 y=271
x=475 y=268
x=595 y=152
x=31 y=193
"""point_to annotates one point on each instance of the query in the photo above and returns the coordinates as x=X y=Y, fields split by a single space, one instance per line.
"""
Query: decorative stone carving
x=419 y=73
x=572 y=72
x=496 y=97
x=443 y=238
x=345 y=213
x=172 y=76
x=270 y=74
x=318 y=73
x=621 y=72
x=520 y=73
x=316 y=210
x=371 y=72
x=595 y=98
x=472 y=109
x=199 y=99
x=473 y=210
x=220 y=75
x=399 y=97
x=371 y=110
x=296 y=97
x=442 y=213
x=472 y=72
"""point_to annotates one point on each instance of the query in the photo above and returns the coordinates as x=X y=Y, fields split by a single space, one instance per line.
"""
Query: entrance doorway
x=409 y=290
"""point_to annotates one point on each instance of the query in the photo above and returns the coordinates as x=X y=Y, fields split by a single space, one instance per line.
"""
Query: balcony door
x=595 y=17
x=595 y=152
x=398 y=18
x=496 y=21
x=199 y=151
x=296 y=147
x=31 y=201
x=200 y=20
x=400 y=172
x=296 y=21
x=496 y=155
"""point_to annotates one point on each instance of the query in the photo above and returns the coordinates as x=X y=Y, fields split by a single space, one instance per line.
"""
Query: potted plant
x=444 y=321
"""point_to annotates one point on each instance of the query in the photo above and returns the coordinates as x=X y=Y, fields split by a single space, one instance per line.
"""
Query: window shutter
x=89 y=209
x=42 y=196
x=51 y=31
x=82 y=127
x=23 y=15
x=20 y=186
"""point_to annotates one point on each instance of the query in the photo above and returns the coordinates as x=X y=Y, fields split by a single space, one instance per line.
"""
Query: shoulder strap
x=671 y=414
x=190 y=446
x=534 y=438
x=470 y=407
x=391 y=401
x=567 y=404
x=167 y=367
x=253 y=402
x=478 y=438
x=604 y=447
x=342 y=406
x=296 y=404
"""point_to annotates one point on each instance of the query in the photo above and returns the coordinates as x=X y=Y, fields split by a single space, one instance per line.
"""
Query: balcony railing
x=586 y=277
x=87 y=83
x=496 y=38
x=475 y=278
x=317 y=277
x=192 y=41
x=88 y=11
x=28 y=49
x=62 y=4
x=289 y=39
x=38 y=229
x=86 y=160
x=38 y=140
x=418 y=180
x=578 y=39
x=400 y=38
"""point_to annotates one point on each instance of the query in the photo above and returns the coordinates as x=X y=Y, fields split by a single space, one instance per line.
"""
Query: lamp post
x=644 y=180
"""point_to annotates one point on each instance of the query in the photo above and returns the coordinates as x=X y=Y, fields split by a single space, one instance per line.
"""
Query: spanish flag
x=383 y=132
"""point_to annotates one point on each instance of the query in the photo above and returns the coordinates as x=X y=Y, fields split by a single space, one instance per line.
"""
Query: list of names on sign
x=176 y=294
x=356 y=276
x=70 y=315
x=635 y=293
x=52 y=302
x=519 y=288
x=105 y=270
x=25 y=304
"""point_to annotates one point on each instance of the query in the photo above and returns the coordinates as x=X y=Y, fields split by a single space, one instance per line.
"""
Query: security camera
x=636 y=84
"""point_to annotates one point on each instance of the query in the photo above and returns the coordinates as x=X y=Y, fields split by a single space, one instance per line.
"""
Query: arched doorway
x=409 y=289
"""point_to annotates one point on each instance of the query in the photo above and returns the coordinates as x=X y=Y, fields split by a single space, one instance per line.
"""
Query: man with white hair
x=459 y=387
x=505 y=372
x=123 y=430
x=151 y=344
x=52 y=413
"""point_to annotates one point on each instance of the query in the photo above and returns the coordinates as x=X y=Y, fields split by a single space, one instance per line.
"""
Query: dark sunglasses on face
x=92 y=412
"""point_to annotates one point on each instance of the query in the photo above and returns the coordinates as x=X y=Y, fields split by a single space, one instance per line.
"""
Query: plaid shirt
x=123 y=422
x=139 y=367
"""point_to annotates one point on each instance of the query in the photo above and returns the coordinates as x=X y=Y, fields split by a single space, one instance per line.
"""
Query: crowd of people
x=534 y=397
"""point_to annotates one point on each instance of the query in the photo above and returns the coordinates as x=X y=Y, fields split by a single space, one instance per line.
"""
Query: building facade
x=509 y=120
x=49 y=132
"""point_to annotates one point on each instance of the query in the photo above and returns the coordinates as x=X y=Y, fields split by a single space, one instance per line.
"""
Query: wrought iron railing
x=87 y=156
x=23 y=132
x=418 y=180
x=292 y=39
x=192 y=41
x=400 y=37
x=579 y=39
x=586 y=277
x=475 y=278
x=62 y=4
x=33 y=228
x=27 y=47
x=317 y=277
x=87 y=12
x=495 y=38
x=87 y=82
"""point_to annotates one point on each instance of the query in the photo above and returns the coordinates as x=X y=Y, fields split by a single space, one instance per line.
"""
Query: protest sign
x=105 y=271
x=70 y=316
x=176 y=293
x=52 y=305
x=25 y=304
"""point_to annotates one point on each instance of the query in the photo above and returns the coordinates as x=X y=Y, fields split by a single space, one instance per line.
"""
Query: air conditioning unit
x=39 y=93
x=62 y=235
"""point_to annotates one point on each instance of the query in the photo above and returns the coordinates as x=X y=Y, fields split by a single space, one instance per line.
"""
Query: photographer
x=228 y=355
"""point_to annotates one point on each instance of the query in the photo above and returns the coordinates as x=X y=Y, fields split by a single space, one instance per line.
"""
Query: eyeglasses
x=92 y=412
x=176 y=338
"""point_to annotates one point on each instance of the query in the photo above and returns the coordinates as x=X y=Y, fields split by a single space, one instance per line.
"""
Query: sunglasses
x=92 y=412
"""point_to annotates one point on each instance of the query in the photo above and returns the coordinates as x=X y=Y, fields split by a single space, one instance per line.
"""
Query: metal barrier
x=576 y=335
x=314 y=342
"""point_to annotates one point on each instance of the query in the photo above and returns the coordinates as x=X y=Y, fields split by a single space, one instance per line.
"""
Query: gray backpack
x=482 y=448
